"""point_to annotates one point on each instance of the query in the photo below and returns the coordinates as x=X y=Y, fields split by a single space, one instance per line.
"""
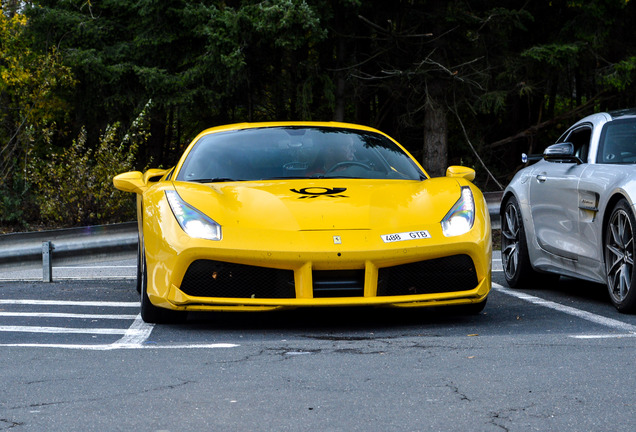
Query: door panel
x=554 y=206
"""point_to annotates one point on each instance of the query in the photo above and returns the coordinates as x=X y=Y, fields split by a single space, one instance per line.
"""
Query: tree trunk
x=339 y=112
x=157 y=141
x=435 y=151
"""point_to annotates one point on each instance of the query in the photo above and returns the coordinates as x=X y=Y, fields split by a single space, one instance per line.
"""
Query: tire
x=139 y=277
x=473 y=308
x=515 y=259
x=619 y=251
x=149 y=312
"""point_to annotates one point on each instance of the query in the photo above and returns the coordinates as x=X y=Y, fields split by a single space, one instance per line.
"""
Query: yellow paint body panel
x=268 y=224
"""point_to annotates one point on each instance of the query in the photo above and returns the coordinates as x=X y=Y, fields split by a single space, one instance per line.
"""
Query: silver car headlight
x=460 y=219
x=192 y=221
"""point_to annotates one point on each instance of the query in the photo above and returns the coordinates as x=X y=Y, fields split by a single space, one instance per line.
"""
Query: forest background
x=92 y=88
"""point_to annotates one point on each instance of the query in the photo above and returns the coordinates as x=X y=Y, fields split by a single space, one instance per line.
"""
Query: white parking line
x=65 y=315
x=588 y=316
x=68 y=303
x=134 y=337
x=101 y=267
x=496 y=265
x=136 y=334
x=110 y=347
x=62 y=330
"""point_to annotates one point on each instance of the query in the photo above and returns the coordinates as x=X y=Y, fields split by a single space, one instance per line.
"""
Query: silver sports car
x=572 y=213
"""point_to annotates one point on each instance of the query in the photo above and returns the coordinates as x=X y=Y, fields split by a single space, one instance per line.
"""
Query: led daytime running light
x=460 y=219
x=192 y=221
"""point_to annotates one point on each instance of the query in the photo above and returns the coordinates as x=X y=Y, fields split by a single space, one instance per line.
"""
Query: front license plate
x=411 y=235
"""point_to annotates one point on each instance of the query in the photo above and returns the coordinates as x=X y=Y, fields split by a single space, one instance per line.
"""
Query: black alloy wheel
x=619 y=257
x=515 y=259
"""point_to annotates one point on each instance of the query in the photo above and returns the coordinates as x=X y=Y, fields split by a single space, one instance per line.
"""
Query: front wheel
x=149 y=312
x=515 y=258
x=619 y=257
x=472 y=308
x=139 y=266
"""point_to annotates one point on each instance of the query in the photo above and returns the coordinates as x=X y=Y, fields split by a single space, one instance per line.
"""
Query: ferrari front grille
x=207 y=278
x=448 y=274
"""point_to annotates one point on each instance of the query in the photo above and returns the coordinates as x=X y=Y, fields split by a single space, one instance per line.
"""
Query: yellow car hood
x=306 y=205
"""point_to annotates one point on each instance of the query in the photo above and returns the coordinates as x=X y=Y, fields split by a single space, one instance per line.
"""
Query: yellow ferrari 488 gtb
x=302 y=214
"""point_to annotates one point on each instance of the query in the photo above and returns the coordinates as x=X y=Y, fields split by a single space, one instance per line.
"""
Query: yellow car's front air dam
x=177 y=299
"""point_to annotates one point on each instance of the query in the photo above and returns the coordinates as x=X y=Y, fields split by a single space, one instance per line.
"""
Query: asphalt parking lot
x=75 y=355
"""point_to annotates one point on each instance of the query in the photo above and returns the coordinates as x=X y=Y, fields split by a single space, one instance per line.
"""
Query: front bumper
x=361 y=262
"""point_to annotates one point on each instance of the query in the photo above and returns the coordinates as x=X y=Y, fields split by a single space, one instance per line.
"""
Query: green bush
x=17 y=206
x=74 y=187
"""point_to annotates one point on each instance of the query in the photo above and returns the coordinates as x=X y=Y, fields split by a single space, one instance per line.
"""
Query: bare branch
x=473 y=148
x=383 y=30
x=533 y=130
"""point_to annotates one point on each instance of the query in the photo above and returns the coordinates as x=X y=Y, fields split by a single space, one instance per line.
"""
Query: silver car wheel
x=619 y=255
x=510 y=241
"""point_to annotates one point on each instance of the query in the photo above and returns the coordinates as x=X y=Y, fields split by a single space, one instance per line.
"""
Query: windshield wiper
x=215 y=180
x=284 y=178
x=329 y=177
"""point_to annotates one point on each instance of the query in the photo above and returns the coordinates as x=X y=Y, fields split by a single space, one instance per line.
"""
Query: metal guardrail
x=74 y=245
x=493 y=199
x=77 y=245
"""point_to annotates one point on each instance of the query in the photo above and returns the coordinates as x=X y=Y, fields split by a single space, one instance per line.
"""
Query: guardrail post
x=47 y=266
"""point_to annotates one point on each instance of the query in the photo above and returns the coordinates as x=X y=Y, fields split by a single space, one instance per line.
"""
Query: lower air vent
x=448 y=274
x=338 y=283
x=206 y=278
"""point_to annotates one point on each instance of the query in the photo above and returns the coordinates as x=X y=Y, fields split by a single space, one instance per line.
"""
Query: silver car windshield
x=296 y=152
x=618 y=142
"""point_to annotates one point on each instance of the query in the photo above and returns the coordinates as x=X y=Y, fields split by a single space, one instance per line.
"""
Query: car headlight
x=459 y=220
x=192 y=221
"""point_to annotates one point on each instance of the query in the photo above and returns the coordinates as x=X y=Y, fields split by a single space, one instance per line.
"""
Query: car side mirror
x=561 y=152
x=130 y=182
x=135 y=181
x=154 y=175
x=460 y=171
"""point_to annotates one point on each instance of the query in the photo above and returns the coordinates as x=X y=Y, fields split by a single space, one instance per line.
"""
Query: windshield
x=618 y=142
x=296 y=152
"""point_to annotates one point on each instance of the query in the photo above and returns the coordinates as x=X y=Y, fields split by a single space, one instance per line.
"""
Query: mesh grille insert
x=448 y=274
x=206 y=278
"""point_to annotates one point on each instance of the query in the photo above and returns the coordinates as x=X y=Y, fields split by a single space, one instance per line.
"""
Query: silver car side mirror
x=561 y=152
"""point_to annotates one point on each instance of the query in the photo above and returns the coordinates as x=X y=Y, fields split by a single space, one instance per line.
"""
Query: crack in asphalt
x=346 y=345
x=6 y=424
x=361 y=338
x=493 y=421
x=96 y=399
x=52 y=380
x=504 y=416
x=455 y=390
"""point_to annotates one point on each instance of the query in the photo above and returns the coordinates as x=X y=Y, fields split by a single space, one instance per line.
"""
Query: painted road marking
x=101 y=267
x=68 y=303
x=588 y=316
x=66 y=315
x=61 y=330
x=111 y=347
x=136 y=334
x=134 y=337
